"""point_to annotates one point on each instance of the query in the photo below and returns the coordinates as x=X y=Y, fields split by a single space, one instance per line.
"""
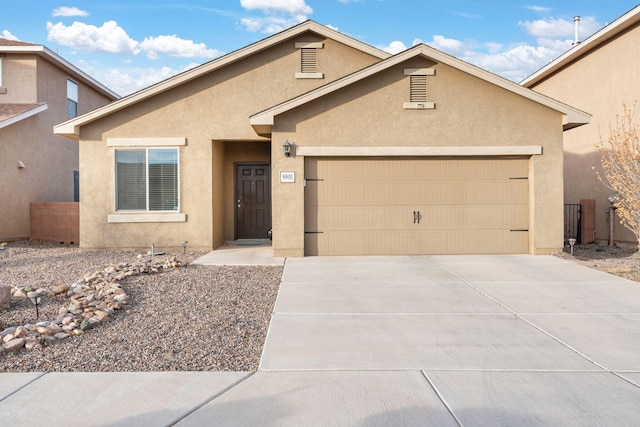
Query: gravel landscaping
x=192 y=318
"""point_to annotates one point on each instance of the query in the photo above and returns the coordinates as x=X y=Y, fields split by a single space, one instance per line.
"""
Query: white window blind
x=163 y=180
x=147 y=179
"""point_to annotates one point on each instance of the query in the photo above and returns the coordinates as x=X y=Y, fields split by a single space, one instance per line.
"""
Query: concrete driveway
x=475 y=340
x=415 y=341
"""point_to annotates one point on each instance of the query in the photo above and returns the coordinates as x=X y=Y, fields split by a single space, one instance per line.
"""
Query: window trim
x=146 y=215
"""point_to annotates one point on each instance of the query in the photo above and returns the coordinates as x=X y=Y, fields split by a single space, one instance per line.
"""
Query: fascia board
x=213 y=65
x=64 y=64
x=572 y=115
x=606 y=33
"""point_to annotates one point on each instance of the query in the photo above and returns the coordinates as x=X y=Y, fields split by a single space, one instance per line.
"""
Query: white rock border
x=92 y=301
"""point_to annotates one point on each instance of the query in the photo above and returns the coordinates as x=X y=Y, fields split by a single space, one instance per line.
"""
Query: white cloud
x=539 y=8
x=271 y=24
x=69 y=11
x=394 y=47
x=175 y=46
x=451 y=46
x=109 y=38
x=554 y=28
x=6 y=34
x=292 y=7
x=278 y=14
x=126 y=80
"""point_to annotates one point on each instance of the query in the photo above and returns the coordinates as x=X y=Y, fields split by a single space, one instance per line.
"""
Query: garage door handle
x=417 y=216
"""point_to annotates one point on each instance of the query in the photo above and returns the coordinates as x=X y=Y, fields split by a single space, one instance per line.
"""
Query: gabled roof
x=71 y=128
x=13 y=113
x=11 y=46
x=263 y=121
x=604 y=35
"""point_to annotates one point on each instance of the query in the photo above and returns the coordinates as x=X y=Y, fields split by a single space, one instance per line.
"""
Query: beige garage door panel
x=365 y=206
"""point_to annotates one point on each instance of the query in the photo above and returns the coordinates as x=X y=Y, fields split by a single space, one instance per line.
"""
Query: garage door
x=356 y=206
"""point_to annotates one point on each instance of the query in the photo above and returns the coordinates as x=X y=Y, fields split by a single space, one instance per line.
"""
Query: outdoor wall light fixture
x=287 y=148
x=35 y=298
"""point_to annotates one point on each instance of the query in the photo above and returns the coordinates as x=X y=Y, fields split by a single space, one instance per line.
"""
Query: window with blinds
x=147 y=179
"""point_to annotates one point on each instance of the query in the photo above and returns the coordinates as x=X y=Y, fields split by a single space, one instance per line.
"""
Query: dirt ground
x=621 y=261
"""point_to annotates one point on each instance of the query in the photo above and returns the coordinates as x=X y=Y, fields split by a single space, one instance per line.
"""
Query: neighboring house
x=597 y=75
x=416 y=153
x=38 y=89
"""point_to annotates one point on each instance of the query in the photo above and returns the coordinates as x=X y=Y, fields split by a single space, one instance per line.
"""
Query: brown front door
x=253 y=201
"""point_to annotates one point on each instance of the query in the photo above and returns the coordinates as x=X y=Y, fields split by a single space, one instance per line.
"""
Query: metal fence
x=572 y=225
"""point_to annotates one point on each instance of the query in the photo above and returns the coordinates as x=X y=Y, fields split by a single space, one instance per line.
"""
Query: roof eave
x=19 y=117
x=603 y=35
x=47 y=53
x=572 y=116
x=225 y=60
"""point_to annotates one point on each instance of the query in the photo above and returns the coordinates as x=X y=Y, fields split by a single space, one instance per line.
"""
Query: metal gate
x=572 y=226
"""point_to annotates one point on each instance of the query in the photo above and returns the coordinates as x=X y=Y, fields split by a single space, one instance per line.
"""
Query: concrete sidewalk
x=440 y=340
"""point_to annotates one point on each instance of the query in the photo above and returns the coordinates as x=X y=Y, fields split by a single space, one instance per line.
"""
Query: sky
x=129 y=45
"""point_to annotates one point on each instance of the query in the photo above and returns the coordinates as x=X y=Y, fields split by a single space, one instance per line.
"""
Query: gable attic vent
x=309 y=60
x=418 y=89
x=418 y=93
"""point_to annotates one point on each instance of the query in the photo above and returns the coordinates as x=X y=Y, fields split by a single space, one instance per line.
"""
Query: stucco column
x=287 y=201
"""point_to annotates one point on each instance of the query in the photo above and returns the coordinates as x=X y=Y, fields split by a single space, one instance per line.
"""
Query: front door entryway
x=253 y=200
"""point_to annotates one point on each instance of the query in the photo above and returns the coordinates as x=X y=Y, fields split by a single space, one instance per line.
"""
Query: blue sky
x=128 y=45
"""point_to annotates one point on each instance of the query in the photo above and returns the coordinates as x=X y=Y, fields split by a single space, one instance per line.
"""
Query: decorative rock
x=86 y=325
x=93 y=301
x=14 y=345
x=5 y=297
x=60 y=289
x=102 y=316
x=33 y=343
x=8 y=331
x=43 y=330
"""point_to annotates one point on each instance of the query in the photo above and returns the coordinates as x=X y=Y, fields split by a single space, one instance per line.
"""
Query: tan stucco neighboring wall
x=469 y=112
x=600 y=82
x=212 y=112
x=50 y=159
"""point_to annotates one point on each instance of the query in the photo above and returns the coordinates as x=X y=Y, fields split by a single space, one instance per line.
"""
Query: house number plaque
x=287 y=177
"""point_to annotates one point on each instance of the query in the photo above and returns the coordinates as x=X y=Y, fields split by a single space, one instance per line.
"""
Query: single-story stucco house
x=415 y=153
x=599 y=75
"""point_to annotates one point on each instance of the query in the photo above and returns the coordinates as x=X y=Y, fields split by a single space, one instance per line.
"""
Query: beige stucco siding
x=50 y=159
x=599 y=82
x=212 y=112
x=469 y=112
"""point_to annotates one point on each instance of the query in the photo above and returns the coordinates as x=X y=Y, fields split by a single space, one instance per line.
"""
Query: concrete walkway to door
x=475 y=340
